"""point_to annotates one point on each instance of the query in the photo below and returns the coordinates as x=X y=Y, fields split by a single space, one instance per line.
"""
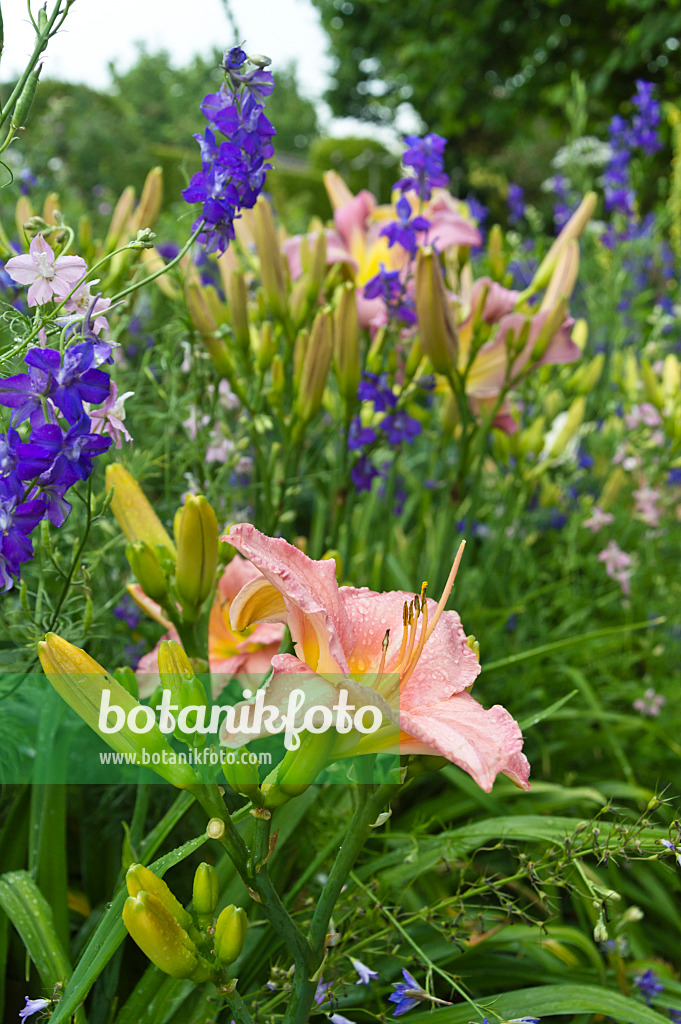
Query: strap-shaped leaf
x=551 y=1000
x=30 y=913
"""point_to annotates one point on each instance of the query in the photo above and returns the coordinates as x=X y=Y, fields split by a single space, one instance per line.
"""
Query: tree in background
x=495 y=72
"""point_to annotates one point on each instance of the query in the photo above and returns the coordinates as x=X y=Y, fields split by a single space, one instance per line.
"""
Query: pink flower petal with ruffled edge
x=483 y=743
x=446 y=665
x=498 y=302
x=351 y=219
x=22 y=269
x=319 y=625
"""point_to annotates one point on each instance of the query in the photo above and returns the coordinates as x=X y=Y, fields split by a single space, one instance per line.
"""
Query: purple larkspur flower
x=648 y=985
x=364 y=973
x=33 y=1006
x=403 y=231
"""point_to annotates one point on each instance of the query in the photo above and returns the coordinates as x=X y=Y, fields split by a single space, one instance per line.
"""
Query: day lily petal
x=481 y=742
x=318 y=622
x=257 y=601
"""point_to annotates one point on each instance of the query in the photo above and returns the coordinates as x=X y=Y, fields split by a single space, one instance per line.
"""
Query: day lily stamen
x=447 y=591
x=384 y=648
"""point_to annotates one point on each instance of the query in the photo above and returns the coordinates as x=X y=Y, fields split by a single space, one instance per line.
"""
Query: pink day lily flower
x=248 y=653
x=413 y=654
x=108 y=418
x=357 y=240
x=48 y=278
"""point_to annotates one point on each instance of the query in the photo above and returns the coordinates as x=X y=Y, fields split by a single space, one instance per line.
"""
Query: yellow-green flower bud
x=205 y=893
x=120 y=217
x=651 y=384
x=237 y=300
x=147 y=570
x=299 y=768
x=139 y=878
x=585 y=378
x=315 y=368
x=347 y=355
x=197 y=555
x=149 y=206
x=422 y=764
x=271 y=264
x=230 y=933
x=187 y=691
x=573 y=229
x=159 y=935
x=551 y=325
x=244 y=778
x=474 y=645
x=134 y=514
x=495 y=250
x=437 y=329
x=564 y=276
x=572 y=424
x=95 y=696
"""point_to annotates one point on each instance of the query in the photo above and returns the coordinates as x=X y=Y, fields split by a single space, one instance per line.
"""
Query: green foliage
x=361 y=162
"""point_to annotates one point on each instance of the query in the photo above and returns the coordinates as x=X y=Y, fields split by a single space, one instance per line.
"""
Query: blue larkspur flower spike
x=648 y=985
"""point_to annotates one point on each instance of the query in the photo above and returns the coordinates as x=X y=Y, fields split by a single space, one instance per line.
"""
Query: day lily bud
x=207 y=313
x=237 y=300
x=613 y=485
x=572 y=424
x=315 y=367
x=148 y=572
x=23 y=216
x=573 y=229
x=551 y=325
x=187 y=691
x=531 y=439
x=495 y=250
x=205 y=893
x=315 y=276
x=580 y=333
x=82 y=682
x=271 y=265
x=564 y=276
x=347 y=355
x=152 y=261
x=243 y=778
x=266 y=345
x=134 y=514
x=651 y=384
x=230 y=933
x=139 y=879
x=586 y=377
x=299 y=768
x=197 y=555
x=278 y=382
x=149 y=206
x=162 y=939
x=120 y=216
x=437 y=329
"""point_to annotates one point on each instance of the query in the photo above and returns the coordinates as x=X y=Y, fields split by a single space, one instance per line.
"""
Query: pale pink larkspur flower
x=645 y=413
x=650 y=704
x=623 y=458
x=598 y=519
x=646 y=505
x=194 y=422
x=108 y=418
x=219 y=449
x=417 y=674
x=48 y=278
x=82 y=303
x=617 y=565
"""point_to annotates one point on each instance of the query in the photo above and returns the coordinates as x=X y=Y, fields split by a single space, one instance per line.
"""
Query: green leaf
x=550 y=1000
x=30 y=913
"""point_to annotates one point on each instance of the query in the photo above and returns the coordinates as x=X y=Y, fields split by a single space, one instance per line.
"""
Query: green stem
x=238 y=1007
x=41 y=43
x=157 y=273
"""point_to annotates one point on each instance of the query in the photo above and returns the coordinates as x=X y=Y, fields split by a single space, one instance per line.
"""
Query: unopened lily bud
x=671 y=377
x=197 y=555
x=95 y=696
x=580 y=333
x=266 y=346
x=205 y=894
x=315 y=368
x=149 y=205
x=187 y=691
x=134 y=514
x=651 y=384
x=162 y=939
x=531 y=439
x=147 y=570
x=299 y=768
x=278 y=382
x=237 y=300
x=613 y=485
x=586 y=377
x=495 y=251
x=243 y=776
x=564 y=276
x=139 y=878
x=207 y=314
x=315 y=275
x=347 y=355
x=437 y=329
x=271 y=265
x=120 y=216
x=84 y=233
x=474 y=645
x=572 y=424
x=573 y=229
x=230 y=933
x=553 y=322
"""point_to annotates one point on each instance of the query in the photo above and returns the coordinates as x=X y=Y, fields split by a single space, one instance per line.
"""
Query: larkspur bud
x=88 y=690
x=230 y=933
x=134 y=514
x=437 y=329
x=147 y=570
x=25 y=101
x=162 y=939
x=197 y=555
x=205 y=895
x=139 y=878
